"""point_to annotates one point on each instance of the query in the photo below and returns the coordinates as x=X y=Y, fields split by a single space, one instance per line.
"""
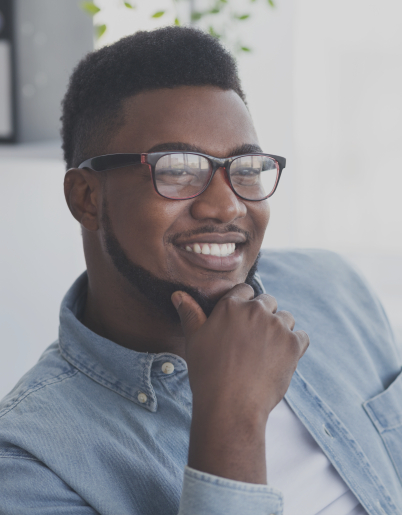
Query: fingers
x=287 y=318
x=269 y=302
x=304 y=341
x=240 y=291
x=191 y=315
x=244 y=291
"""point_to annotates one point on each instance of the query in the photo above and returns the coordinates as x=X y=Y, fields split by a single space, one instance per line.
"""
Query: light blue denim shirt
x=75 y=438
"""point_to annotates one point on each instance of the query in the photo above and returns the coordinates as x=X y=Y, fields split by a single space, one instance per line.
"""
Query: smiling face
x=209 y=242
x=165 y=236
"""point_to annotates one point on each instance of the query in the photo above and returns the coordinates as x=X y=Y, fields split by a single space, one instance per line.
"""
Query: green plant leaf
x=158 y=14
x=177 y=22
x=195 y=16
x=100 y=30
x=215 y=10
x=129 y=6
x=213 y=32
x=245 y=49
x=243 y=17
x=90 y=8
x=271 y=3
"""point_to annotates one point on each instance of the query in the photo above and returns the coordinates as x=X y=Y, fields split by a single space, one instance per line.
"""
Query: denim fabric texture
x=75 y=437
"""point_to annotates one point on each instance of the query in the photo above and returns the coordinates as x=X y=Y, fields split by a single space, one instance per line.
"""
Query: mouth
x=214 y=252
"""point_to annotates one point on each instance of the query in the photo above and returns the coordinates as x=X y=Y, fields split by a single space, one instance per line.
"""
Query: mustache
x=209 y=229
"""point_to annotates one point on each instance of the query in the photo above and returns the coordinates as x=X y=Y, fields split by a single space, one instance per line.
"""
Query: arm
x=240 y=361
x=28 y=486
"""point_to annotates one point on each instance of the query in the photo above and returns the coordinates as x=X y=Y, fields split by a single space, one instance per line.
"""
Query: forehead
x=209 y=118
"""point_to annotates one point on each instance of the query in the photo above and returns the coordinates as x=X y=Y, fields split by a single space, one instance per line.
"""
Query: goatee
x=158 y=291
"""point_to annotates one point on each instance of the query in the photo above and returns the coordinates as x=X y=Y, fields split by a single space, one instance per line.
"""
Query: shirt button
x=142 y=398
x=167 y=368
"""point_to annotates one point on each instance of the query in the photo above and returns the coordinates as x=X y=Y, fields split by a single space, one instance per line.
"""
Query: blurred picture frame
x=7 y=73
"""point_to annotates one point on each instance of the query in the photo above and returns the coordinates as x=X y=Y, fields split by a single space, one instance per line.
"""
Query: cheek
x=260 y=213
x=140 y=219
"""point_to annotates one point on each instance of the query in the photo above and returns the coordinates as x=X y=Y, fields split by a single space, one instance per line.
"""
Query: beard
x=158 y=291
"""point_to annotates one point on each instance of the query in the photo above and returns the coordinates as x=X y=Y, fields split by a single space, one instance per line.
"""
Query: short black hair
x=162 y=58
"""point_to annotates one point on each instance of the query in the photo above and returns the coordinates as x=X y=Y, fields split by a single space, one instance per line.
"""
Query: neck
x=128 y=319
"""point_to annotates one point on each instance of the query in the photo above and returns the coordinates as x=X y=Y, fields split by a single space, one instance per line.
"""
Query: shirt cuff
x=206 y=494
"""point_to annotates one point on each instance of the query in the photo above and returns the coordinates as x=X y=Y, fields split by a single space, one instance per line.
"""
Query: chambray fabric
x=74 y=438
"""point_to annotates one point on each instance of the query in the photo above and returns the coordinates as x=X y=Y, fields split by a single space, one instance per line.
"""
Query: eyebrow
x=246 y=148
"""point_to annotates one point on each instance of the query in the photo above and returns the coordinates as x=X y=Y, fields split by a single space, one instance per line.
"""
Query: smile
x=212 y=249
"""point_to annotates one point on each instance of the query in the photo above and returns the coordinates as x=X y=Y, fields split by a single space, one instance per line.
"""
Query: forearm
x=232 y=448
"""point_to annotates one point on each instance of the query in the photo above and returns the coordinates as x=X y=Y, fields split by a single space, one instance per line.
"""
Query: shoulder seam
x=54 y=380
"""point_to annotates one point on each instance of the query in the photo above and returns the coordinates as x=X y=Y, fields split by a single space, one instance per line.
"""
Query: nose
x=218 y=202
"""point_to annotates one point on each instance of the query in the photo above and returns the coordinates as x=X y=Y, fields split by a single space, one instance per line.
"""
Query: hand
x=240 y=363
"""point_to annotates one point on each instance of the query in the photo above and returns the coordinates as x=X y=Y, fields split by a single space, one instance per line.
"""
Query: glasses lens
x=254 y=177
x=181 y=175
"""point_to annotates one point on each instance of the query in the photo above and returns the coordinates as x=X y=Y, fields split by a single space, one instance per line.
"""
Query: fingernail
x=177 y=299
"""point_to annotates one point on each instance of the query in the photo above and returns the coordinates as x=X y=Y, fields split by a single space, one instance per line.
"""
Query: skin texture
x=234 y=385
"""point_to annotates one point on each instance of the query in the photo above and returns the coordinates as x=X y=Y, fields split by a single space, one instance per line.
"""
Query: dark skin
x=241 y=359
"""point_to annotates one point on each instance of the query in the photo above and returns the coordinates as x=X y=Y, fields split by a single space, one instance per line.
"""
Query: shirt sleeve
x=206 y=494
x=28 y=486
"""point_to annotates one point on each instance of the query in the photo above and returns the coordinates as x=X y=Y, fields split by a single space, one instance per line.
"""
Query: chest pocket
x=385 y=411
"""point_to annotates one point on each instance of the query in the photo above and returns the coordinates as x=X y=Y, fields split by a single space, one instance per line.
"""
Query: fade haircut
x=162 y=58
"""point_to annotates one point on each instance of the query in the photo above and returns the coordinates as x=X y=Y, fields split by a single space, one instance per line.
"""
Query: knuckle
x=276 y=324
x=228 y=303
x=268 y=300
x=294 y=340
x=306 y=338
x=303 y=336
x=243 y=287
x=303 y=341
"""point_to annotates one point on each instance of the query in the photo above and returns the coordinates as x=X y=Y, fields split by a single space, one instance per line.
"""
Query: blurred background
x=323 y=81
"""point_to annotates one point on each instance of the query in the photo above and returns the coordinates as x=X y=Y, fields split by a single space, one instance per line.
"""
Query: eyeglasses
x=185 y=175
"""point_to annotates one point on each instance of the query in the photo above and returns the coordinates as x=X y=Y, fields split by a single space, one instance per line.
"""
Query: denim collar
x=122 y=370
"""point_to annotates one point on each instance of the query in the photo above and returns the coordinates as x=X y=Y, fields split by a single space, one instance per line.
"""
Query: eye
x=177 y=172
x=247 y=172
x=182 y=176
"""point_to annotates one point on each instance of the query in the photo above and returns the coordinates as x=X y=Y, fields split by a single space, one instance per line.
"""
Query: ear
x=82 y=190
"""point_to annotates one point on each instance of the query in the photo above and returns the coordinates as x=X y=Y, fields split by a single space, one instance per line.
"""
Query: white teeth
x=212 y=249
x=215 y=250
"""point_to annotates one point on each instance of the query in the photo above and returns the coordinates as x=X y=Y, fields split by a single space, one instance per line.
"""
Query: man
x=171 y=358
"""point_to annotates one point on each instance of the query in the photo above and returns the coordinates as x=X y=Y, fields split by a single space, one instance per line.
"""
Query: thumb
x=191 y=315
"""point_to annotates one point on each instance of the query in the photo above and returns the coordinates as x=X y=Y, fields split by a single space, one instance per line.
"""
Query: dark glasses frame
x=112 y=161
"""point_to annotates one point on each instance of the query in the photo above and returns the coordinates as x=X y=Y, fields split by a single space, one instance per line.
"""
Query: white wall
x=348 y=124
x=40 y=257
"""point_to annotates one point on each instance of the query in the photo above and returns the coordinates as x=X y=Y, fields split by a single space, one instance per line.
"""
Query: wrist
x=228 y=444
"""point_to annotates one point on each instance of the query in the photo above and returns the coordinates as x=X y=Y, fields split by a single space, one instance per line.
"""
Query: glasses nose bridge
x=217 y=163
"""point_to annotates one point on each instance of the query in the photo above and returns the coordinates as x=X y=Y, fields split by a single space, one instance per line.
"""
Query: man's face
x=153 y=231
